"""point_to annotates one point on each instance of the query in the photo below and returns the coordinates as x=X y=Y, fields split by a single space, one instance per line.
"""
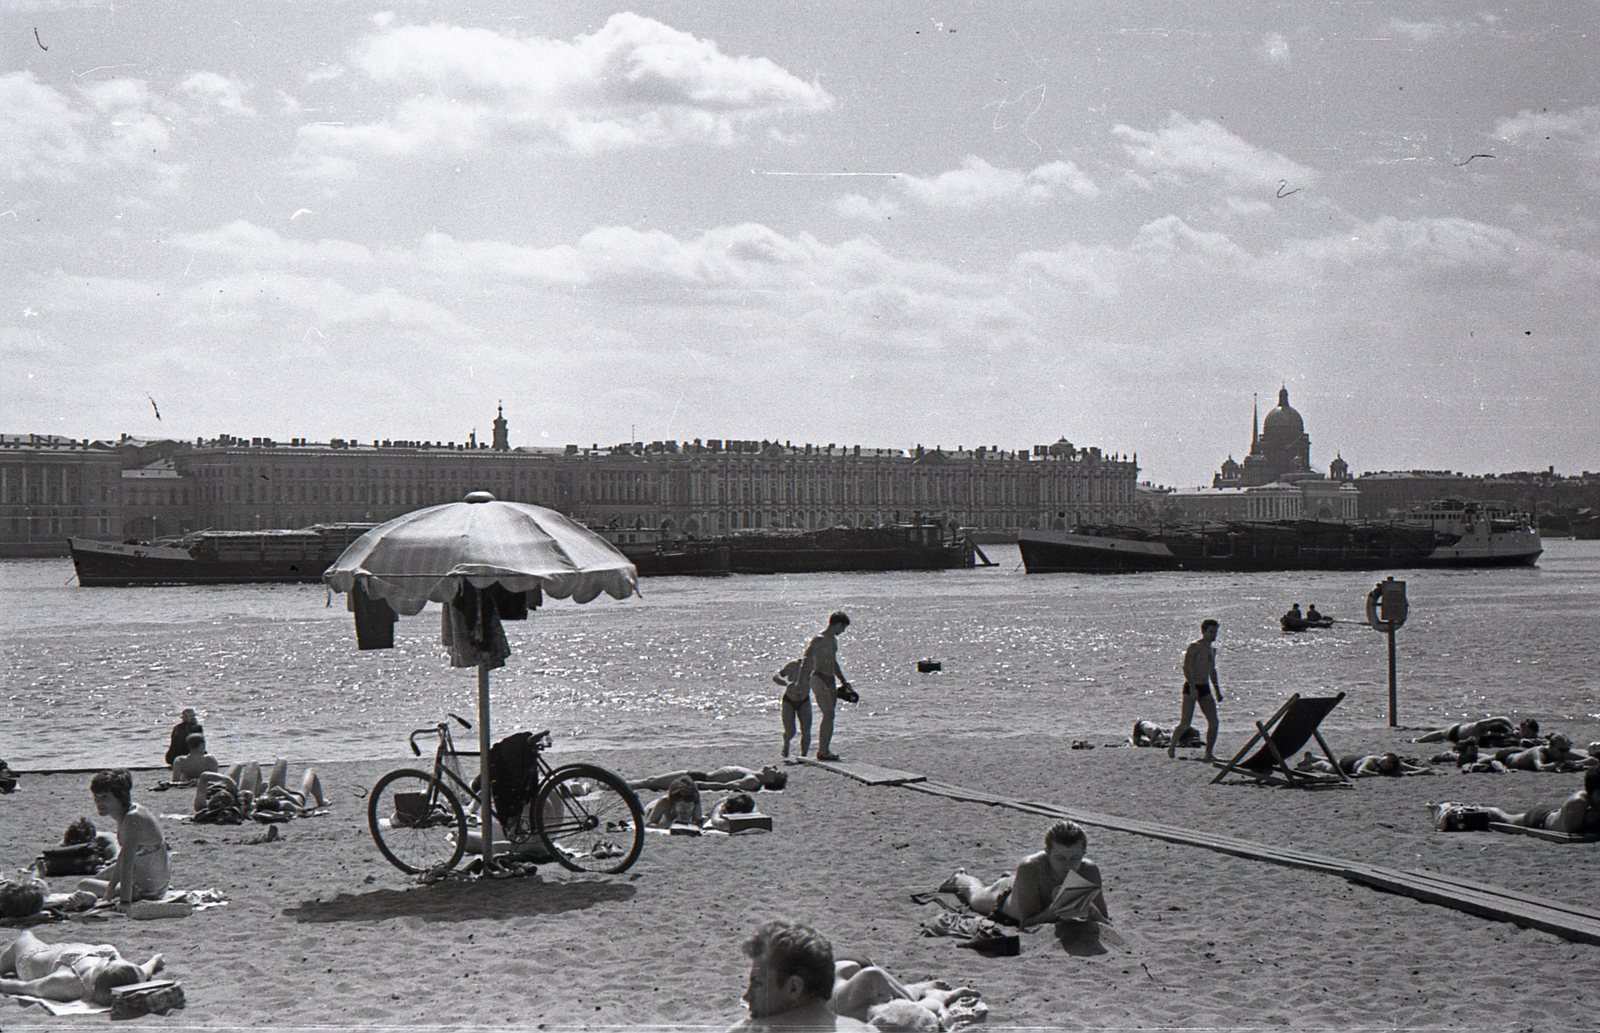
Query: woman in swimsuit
x=68 y=971
x=1029 y=896
x=140 y=871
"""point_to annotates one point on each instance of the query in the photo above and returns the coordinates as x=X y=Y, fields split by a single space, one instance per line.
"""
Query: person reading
x=1057 y=884
x=31 y=967
x=141 y=870
x=680 y=806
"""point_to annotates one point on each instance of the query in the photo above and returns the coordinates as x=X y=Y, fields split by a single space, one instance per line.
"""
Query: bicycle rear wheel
x=416 y=821
x=590 y=820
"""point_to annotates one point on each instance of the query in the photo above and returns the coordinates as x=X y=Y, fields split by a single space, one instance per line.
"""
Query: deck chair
x=1282 y=736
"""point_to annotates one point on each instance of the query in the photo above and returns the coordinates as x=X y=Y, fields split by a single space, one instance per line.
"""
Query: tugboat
x=1480 y=534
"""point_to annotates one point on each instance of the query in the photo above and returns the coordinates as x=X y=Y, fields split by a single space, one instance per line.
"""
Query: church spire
x=501 y=441
x=1255 y=419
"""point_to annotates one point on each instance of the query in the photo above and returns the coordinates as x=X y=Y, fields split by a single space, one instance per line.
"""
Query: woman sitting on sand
x=1578 y=814
x=1364 y=765
x=1555 y=755
x=731 y=776
x=140 y=871
x=1057 y=884
x=68 y=971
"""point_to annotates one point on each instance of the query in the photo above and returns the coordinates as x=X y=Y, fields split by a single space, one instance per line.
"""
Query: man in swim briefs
x=1199 y=684
x=68 y=971
x=1578 y=814
x=140 y=871
x=1027 y=897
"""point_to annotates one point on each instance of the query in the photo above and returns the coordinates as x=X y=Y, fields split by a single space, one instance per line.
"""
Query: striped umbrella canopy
x=427 y=554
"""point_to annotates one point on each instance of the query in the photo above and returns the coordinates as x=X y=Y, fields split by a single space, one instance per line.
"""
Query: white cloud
x=1575 y=131
x=254 y=298
x=855 y=206
x=41 y=132
x=634 y=83
x=209 y=88
x=977 y=184
x=245 y=243
x=1205 y=149
x=1437 y=28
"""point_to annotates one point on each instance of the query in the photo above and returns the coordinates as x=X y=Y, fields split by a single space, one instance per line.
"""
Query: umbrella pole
x=486 y=801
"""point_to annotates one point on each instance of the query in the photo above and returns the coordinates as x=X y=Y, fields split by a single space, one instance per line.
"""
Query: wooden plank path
x=1568 y=921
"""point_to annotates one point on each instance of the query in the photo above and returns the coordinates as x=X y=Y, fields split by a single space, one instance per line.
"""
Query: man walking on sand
x=1199 y=682
x=819 y=669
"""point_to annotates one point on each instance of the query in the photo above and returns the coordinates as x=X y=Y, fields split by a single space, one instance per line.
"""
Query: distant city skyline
x=822 y=221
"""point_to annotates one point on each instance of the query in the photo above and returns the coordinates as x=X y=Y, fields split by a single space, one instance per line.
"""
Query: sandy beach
x=320 y=932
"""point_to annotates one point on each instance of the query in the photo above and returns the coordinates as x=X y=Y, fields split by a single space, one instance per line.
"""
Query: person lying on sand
x=68 y=971
x=1368 y=765
x=1057 y=884
x=1488 y=731
x=84 y=850
x=737 y=803
x=680 y=806
x=791 y=981
x=244 y=784
x=1555 y=755
x=862 y=990
x=1466 y=758
x=731 y=776
x=1577 y=814
x=1148 y=733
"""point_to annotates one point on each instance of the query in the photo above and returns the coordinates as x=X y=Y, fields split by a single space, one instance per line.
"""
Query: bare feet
x=949 y=885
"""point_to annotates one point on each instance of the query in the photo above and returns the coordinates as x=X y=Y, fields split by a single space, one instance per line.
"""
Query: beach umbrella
x=470 y=551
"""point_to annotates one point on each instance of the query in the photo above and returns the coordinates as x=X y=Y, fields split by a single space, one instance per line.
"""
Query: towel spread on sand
x=60 y=1007
x=171 y=904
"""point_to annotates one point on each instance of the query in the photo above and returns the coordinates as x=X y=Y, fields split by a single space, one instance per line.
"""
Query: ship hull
x=843 y=549
x=695 y=561
x=213 y=558
x=1233 y=548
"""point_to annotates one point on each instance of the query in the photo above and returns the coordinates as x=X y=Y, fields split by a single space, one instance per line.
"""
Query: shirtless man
x=1364 y=765
x=68 y=971
x=1028 y=897
x=1577 y=814
x=791 y=981
x=730 y=776
x=1487 y=730
x=140 y=871
x=192 y=764
x=1555 y=755
x=1199 y=681
x=819 y=669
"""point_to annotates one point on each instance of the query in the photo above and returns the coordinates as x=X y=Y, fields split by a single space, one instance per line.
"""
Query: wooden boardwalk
x=1568 y=921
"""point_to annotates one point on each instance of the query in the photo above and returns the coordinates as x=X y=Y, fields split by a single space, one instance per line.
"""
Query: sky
x=951 y=224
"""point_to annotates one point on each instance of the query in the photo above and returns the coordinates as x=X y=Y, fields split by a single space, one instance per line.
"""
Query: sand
x=321 y=932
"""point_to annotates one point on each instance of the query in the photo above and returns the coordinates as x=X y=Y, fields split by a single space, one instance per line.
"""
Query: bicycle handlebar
x=463 y=722
x=441 y=729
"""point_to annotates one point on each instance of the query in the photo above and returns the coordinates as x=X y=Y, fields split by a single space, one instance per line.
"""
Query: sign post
x=1386 y=611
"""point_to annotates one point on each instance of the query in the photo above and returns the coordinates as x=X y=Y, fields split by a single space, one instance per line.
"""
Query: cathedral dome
x=1283 y=422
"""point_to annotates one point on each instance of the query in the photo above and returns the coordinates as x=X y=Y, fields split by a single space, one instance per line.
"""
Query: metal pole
x=485 y=798
x=1394 y=718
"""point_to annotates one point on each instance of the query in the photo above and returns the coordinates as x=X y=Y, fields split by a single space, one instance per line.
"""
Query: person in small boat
x=1555 y=755
x=1369 y=765
x=1035 y=892
x=1578 y=814
x=1294 y=616
x=1312 y=614
x=69 y=971
x=730 y=776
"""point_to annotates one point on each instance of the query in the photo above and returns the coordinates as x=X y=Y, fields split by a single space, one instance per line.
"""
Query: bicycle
x=586 y=816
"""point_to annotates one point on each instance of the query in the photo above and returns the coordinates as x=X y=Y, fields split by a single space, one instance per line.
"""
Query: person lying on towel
x=1369 y=765
x=1578 y=814
x=31 y=967
x=680 y=806
x=731 y=776
x=1057 y=884
x=1555 y=755
x=1488 y=731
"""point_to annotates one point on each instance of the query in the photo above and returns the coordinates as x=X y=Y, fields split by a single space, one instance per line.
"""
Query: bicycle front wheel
x=416 y=821
x=589 y=819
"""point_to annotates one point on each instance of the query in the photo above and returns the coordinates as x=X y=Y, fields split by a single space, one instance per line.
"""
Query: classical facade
x=129 y=489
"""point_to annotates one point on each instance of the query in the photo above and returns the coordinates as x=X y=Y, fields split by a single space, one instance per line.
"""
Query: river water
x=96 y=676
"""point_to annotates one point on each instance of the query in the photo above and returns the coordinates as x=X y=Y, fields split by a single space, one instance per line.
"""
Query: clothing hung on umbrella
x=470 y=623
x=374 y=619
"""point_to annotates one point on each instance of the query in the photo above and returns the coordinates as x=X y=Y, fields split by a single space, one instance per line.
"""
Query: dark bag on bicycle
x=513 y=767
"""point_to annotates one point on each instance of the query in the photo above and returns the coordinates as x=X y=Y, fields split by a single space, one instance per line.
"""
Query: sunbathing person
x=68 y=971
x=737 y=803
x=1578 y=814
x=731 y=776
x=1057 y=884
x=1363 y=765
x=1467 y=758
x=1555 y=755
x=862 y=990
x=244 y=783
x=680 y=806
x=84 y=850
x=141 y=871
x=1488 y=731
x=1148 y=733
x=791 y=981
x=189 y=767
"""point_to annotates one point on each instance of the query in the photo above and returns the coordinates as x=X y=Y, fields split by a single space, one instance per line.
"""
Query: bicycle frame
x=447 y=765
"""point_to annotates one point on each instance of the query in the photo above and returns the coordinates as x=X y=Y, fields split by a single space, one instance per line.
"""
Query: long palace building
x=53 y=487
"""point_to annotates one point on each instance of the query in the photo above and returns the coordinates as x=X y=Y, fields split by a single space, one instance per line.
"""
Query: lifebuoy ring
x=1372 y=609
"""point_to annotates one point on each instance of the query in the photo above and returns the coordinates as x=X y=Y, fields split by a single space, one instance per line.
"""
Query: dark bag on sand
x=78 y=859
x=848 y=694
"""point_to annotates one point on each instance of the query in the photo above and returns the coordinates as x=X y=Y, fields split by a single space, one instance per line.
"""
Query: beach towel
x=60 y=1007
x=171 y=904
